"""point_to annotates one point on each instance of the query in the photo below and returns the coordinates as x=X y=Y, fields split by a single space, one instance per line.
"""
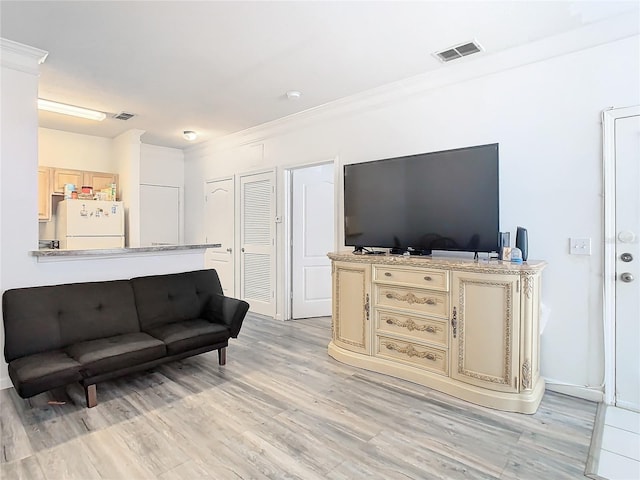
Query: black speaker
x=522 y=242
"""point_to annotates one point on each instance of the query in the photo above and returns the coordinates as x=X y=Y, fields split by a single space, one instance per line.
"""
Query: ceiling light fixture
x=189 y=135
x=293 y=94
x=64 y=109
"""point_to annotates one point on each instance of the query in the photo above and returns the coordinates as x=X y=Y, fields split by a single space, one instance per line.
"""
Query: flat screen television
x=446 y=200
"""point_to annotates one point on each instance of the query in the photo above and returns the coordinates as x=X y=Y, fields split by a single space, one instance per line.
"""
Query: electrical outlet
x=580 y=246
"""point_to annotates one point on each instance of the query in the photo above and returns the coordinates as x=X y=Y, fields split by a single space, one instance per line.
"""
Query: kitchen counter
x=119 y=252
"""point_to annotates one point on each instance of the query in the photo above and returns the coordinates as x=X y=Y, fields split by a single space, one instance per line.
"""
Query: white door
x=219 y=228
x=312 y=228
x=159 y=215
x=257 y=242
x=627 y=286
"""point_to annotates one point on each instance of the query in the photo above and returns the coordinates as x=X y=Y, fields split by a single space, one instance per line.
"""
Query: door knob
x=626 y=257
x=229 y=250
x=626 y=277
x=242 y=249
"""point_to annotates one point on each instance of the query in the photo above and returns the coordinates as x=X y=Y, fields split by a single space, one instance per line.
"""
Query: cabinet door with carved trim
x=352 y=306
x=485 y=330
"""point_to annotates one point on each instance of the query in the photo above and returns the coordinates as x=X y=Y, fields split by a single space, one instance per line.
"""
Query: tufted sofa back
x=39 y=319
x=163 y=299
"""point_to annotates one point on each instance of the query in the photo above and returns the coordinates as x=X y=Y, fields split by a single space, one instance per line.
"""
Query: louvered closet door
x=257 y=234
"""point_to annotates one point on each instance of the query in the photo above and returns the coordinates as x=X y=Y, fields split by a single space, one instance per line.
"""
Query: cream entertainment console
x=466 y=328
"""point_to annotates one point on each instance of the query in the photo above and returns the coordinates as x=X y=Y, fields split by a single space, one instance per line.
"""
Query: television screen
x=447 y=200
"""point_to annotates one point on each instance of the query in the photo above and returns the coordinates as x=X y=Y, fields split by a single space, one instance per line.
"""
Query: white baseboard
x=593 y=394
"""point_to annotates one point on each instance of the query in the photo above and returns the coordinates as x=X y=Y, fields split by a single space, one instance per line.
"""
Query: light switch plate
x=579 y=246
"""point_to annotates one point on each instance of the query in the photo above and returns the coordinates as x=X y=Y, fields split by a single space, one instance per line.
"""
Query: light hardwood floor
x=282 y=408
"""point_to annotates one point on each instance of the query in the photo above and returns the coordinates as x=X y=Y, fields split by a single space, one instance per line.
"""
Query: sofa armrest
x=227 y=311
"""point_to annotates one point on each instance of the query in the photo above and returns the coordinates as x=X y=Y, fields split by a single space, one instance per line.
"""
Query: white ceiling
x=221 y=67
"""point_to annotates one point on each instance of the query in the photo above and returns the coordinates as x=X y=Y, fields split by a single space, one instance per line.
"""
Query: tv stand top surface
x=444 y=262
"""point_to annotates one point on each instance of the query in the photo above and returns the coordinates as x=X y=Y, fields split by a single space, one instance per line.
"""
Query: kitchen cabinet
x=61 y=176
x=97 y=180
x=466 y=328
x=44 y=195
x=351 y=321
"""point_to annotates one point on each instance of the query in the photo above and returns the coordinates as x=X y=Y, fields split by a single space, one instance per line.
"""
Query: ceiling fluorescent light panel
x=64 y=109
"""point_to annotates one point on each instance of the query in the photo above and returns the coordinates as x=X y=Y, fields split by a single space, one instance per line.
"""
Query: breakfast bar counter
x=59 y=254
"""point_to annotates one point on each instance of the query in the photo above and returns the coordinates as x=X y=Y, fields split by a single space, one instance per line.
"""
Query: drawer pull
x=427 y=278
x=411 y=325
x=387 y=274
x=410 y=351
x=410 y=298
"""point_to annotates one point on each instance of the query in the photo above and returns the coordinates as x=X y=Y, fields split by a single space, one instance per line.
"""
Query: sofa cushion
x=188 y=335
x=163 y=299
x=40 y=319
x=109 y=354
x=40 y=372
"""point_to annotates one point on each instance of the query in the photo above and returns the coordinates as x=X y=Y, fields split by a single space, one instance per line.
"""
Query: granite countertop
x=49 y=252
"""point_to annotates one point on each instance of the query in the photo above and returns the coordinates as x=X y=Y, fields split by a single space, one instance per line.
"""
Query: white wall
x=18 y=202
x=545 y=114
x=126 y=153
x=18 y=165
x=75 y=151
x=161 y=166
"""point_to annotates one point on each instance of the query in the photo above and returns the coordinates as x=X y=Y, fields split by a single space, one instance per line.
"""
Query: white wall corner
x=18 y=56
x=132 y=135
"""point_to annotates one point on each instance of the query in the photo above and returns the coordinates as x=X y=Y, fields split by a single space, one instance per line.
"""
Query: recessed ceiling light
x=189 y=135
x=72 y=110
x=293 y=94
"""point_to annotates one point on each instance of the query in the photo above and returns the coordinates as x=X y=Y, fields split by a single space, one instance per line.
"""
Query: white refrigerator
x=86 y=224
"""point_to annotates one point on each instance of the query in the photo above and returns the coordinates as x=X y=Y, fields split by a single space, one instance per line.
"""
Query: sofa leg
x=91 y=395
x=222 y=356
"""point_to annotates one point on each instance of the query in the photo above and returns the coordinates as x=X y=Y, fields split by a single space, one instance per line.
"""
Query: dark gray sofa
x=94 y=331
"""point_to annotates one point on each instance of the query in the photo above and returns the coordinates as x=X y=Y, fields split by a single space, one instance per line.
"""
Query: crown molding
x=23 y=58
x=467 y=68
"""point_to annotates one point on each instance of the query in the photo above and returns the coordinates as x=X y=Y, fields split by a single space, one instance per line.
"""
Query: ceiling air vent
x=124 y=115
x=459 y=51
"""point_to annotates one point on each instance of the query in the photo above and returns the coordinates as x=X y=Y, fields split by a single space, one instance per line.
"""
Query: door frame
x=609 y=118
x=287 y=224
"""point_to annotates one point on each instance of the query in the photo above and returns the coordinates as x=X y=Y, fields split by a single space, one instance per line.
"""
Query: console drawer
x=421 y=301
x=419 y=277
x=428 y=358
x=426 y=329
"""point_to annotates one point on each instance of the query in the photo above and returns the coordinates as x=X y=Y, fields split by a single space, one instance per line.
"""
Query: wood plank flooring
x=283 y=409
